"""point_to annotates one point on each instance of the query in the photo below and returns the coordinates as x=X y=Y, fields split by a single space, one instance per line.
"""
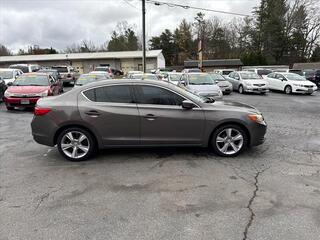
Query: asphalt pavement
x=269 y=192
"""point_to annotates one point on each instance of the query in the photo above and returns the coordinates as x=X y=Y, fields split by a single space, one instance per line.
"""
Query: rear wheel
x=76 y=144
x=241 y=90
x=229 y=140
x=288 y=89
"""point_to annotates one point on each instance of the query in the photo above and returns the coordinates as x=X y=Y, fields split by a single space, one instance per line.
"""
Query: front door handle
x=93 y=113
x=150 y=117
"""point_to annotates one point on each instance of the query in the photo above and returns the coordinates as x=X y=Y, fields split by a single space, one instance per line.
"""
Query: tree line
x=278 y=32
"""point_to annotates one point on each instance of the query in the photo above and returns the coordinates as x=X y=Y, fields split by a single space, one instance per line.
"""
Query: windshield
x=144 y=76
x=85 y=79
x=200 y=79
x=103 y=69
x=217 y=77
x=294 y=77
x=249 y=76
x=263 y=72
x=31 y=80
x=6 y=74
x=174 y=77
x=61 y=69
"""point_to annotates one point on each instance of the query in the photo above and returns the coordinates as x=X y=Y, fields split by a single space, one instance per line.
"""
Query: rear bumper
x=21 y=102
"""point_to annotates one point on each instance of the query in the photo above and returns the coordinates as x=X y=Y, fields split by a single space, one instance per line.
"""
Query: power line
x=159 y=3
x=130 y=4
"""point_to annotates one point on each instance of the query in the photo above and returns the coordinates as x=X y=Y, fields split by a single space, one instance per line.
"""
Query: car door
x=271 y=80
x=280 y=82
x=112 y=113
x=164 y=121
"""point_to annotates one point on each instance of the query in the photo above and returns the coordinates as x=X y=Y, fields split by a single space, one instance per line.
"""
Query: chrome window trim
x=131 y=84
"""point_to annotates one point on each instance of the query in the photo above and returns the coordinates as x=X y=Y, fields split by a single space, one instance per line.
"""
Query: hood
x=236 y=106
x=302 y=82
x=27 y=89
x=256 y=81
x=224 y=83
x=204 y=88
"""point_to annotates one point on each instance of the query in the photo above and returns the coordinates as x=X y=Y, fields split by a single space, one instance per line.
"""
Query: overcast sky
x=59 y=23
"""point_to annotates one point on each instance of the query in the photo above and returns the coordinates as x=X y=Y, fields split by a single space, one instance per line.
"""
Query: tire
x=288 y=89
x=221 y=138
x=240 y=89
x=10 y=108
x=75 y=152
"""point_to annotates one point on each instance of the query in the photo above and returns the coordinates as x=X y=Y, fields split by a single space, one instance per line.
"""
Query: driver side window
x=157 y=96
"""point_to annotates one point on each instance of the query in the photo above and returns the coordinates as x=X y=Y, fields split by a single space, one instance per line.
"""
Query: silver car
x=201 y=84
x=135 y=113
x=244 y=81
x=225 y=86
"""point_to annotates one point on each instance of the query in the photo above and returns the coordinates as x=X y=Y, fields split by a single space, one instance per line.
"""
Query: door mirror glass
x=186 y=104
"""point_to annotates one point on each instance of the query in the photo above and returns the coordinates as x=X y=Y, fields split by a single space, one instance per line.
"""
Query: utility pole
x=144 y=36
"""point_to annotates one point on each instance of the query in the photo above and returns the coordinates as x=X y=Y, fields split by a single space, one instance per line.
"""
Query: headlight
x=8 y=94
x=298 y=85
x=44 y=94
x=258 y=118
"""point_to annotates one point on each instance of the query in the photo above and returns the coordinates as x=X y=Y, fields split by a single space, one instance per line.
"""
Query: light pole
x=144 y=36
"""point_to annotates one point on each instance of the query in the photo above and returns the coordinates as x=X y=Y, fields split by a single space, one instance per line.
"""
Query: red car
x=28 y=88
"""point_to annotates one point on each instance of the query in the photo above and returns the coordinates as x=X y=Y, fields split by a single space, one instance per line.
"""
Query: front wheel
x=241 y=90
x=288 y=89
x=229 y=140
x=76 y=144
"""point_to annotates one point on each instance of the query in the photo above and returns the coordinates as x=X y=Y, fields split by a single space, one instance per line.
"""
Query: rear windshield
x=263 y=72
x=24 y=69
x=227 y=72
x=6 y=74
x=31 y=80
x=85 y=79
x=61 y=69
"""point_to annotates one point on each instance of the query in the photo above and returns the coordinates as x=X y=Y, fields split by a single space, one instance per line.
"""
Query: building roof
x=78 y=56
x=214 y=63
x=314 y=65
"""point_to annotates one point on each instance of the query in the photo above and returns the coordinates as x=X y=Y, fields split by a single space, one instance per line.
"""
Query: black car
x=3 y=88
x=313 y=76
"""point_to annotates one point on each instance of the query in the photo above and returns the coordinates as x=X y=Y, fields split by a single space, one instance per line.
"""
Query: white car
x=9 y=75
x=244 y=81
x=290 y=83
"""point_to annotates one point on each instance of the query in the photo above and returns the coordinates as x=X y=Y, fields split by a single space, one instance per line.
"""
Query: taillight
x=40 y=111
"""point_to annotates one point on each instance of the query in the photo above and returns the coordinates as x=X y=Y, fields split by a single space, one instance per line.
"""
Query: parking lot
x=269 y=192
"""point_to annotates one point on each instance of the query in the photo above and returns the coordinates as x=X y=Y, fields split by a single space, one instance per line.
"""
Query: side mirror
x=9 y=84
x=186 y=104
x=183 y=83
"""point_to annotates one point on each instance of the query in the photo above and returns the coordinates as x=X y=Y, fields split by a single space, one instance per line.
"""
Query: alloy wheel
x=229 y=141
x=75 y=144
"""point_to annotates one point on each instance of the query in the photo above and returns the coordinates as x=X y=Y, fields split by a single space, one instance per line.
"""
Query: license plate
x=25 y=101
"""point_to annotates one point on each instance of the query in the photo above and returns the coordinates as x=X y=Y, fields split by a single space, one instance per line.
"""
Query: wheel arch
x=239 y=124
x=76 y=125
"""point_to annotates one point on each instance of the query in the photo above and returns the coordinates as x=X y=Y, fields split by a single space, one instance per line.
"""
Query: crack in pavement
x=249 y=206
x=42 y=198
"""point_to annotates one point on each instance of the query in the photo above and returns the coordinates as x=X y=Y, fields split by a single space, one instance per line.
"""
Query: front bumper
x=303 y=90
x=254 y=89
x=20 y=102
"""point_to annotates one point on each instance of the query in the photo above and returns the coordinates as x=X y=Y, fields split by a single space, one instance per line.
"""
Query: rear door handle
x=93 y=113
x=150 y=117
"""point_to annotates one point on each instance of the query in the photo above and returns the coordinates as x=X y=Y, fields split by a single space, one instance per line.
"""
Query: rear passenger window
x=114 y=94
